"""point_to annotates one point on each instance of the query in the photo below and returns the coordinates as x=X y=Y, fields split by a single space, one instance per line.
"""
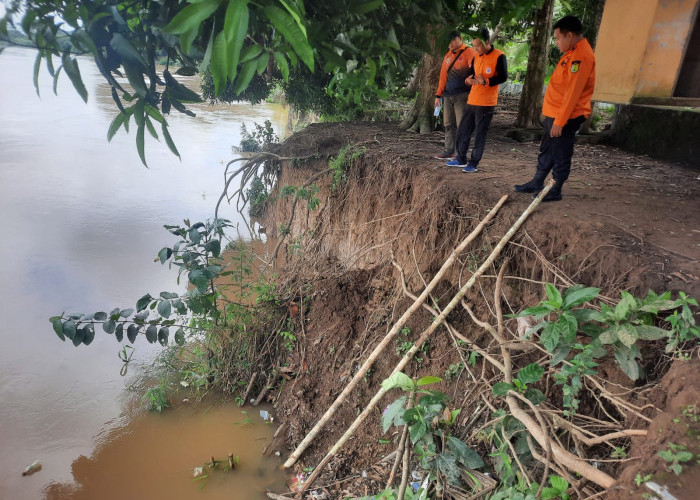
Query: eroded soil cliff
x=626 y=223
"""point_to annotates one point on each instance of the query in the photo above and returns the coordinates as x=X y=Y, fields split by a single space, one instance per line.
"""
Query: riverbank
x=626 y=223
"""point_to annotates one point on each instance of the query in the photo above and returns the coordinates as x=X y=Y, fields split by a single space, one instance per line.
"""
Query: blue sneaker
x=455 y=163
x=469 y=169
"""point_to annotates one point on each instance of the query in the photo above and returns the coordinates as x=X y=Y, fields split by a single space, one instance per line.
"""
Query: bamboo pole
x=426 y=334
x=389 y=336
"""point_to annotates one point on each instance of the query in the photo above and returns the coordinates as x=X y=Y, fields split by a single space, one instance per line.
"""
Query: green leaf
x=213 y=247
x=502 y=388
x=559 y=483
x=88 y=334
x=119 y=332
x=262 y=62
x=169 y=140
x=282 y=64
x=627 y=334
x=427 y=380
x=141 y=315
x=648 y=332
x=586 y=315
x=531 y=373
x=392 y=411
x=114 y=126
x=195 y=236
x=398 y=380
x=553 y=294
x=180 y=336
x=69 y=329
x=131 y=333
x=143 y=302
x=247 y=74
x=163 y=335
x=219 y=63
x=366 y=7
x=467 y=456
x=568 y=326
x=191 y=16
x=550 y=337
x=100 y=316
x=151 y=333
x=235 y=30
x=198 y=278
x=164 y=254
x=151 y=129
x=135 y=76
x=576 y=296
x=187 y=38
x=125 y=313
x=70 y=65
x=126 y=50
x=109 y=326
x=37 y=65
x=625 y=358
x=534 y=395
x=251 y=52
x=417 y=431
x=560 y=354
x=140 y=143
x=164 y=308
x=292 y=33
x=627 y=304
x=78 y=337
x=58 y=328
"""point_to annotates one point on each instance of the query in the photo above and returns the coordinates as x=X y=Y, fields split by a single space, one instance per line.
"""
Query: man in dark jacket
x=452 y=89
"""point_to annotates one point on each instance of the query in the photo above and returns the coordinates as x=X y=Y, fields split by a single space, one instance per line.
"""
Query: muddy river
x=80 y=224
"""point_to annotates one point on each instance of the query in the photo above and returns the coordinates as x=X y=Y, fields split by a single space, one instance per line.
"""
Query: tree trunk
x=420 y=118
x=530 y=106
x=592 y=36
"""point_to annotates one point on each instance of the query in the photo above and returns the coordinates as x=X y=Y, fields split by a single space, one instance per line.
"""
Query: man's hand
x=480 y=79
x=471 y=81
x=437 y=102
x=556 y=130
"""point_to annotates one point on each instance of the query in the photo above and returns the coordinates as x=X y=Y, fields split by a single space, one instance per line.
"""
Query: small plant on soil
x=618 y=328
x=639 y=479
x=675 y=456
x=340 y=164
x=156 y=398
x=429 y=421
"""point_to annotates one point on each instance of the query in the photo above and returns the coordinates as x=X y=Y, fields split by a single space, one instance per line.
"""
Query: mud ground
x=627 y=222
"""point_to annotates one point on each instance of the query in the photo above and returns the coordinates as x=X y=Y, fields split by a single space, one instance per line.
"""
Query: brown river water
x=80 y=224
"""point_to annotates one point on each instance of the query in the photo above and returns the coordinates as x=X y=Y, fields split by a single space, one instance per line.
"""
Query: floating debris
x=35 y=466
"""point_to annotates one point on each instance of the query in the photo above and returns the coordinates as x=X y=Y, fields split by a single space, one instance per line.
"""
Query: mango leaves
x=195 y=254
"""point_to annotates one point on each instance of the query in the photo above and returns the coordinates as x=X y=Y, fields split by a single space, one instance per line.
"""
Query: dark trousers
x=476 y=120
x=556 y=152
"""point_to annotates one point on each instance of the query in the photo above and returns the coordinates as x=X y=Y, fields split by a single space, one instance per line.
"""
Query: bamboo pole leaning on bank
x=426 y=334
x=389 y=336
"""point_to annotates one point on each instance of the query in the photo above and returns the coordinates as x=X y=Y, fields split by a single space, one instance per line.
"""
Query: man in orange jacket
x=453 y=90
x=486 y=74
x=567 y=104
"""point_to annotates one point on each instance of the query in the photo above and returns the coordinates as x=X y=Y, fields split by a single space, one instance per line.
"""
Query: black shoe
x=529 y=187
x=554 y=194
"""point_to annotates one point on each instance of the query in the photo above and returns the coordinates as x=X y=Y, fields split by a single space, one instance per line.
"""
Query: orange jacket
x=571 y=86
x=487 y=65
x=452 y=82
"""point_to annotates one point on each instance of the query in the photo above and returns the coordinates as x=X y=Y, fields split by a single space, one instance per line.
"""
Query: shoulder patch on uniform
x=575 y=65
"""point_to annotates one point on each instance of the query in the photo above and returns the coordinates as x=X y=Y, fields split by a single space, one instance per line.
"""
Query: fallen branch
x=426 y=334
x=389 y=336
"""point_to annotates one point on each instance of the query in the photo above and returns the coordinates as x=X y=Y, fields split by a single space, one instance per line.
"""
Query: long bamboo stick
x=389 y=336
x=426 y=334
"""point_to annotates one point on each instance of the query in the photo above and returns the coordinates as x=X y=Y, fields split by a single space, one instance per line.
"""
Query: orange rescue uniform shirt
x=458 y=71
x=571 y=86
x=485 y=65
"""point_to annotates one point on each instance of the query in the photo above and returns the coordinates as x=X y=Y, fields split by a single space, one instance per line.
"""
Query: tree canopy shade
x=330 y=55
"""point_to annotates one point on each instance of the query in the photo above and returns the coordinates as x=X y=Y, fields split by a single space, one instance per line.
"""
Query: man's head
x=567 y=31
x=455 y=40
x=482 y=41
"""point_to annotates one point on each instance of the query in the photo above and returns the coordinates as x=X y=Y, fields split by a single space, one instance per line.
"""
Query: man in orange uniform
x=488 y=71
x=566 y=105
x=453 y=90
